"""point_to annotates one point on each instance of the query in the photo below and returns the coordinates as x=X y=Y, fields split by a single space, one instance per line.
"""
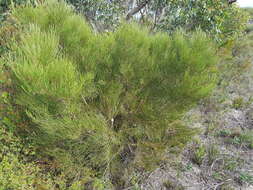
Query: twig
x=219 y=184
x=136 y=9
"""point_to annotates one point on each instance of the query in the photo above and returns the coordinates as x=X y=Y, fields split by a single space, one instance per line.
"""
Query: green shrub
x=15 y=171
x=212 y=153
x=16 y=175
x=18 y=169
x=245 y=178
x=199 y=155
x=101 y=103
x=244 y=139
x=238 y=103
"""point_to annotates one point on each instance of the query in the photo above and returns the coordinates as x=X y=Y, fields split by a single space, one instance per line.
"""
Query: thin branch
x=136 y=9
x=155 y=19
x=231 y=1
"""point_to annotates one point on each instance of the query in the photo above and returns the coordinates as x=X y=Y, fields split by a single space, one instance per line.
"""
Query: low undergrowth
x=99 y=106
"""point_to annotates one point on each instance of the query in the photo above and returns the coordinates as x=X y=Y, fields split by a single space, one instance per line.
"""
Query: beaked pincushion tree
x=105 y=102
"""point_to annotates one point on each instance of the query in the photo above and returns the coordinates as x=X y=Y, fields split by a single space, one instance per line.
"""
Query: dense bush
x=100 y=104
x=16 y=173
x=18 y=168
x=5 y=6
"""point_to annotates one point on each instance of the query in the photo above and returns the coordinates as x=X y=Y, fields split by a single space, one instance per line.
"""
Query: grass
x=224 y=133
x=244 y=139
x=226 y=187
x=238 y=137
x=231 y=164
x=246 y=178
x=238 y=103
x=172 y=186
x=212 y=153
x=199 y=154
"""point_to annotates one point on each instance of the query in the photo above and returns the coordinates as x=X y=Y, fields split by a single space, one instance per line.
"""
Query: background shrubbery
x=16 y=173
x=101 y=105
x=249 y=27
x=223 y=21
x=219 y=19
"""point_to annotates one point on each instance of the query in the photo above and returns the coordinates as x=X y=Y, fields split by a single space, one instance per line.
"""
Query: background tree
x=223 y=19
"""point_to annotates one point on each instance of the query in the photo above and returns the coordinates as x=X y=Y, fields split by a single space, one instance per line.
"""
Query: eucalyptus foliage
x=223 y=21
x=104 y=14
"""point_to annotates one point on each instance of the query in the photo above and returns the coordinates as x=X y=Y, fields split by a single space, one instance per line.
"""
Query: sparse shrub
x=218 y=176
x=244 y=139
x=199 y=155
x=226 y=187
x=170 y=185
x=235 y=140
x=224 y=133
x=231 y=164
x=238 y=103
x=101 y=103
x=188 y=167
x=245 y=178
x=247 y=139
x=212 y=153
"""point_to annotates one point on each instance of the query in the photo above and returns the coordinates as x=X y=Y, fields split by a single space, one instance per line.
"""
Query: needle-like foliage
x=105 y=101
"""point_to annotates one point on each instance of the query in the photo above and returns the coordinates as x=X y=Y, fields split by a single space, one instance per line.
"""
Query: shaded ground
x=222 y=156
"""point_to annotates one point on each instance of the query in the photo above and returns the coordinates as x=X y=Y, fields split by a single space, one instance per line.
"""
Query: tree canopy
x=221 y=19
